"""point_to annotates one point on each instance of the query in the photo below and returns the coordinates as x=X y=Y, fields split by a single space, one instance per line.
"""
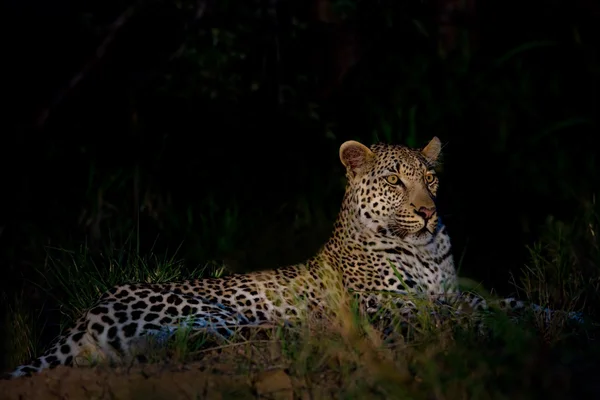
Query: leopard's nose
x=426 y=212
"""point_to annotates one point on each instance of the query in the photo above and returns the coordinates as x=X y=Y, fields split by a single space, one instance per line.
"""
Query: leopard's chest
x=407 y=269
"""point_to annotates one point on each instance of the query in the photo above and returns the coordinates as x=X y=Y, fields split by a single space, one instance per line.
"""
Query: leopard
x=388 y=238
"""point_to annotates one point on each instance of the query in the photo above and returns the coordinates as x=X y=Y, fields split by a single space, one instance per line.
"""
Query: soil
x=149 y=382
x=245 y=372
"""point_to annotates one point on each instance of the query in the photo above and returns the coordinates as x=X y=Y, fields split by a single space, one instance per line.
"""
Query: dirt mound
x=148 y=382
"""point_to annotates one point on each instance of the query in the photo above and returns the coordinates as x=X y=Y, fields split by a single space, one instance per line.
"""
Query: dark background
x=212 y=128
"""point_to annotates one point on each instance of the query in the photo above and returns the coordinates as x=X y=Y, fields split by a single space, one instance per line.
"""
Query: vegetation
x=351 y=357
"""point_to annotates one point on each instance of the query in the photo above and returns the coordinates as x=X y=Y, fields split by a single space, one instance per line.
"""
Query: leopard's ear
x=432 y=150
x=355 y=156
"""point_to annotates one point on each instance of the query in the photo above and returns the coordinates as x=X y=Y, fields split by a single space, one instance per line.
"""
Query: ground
x=347 y=361
x=190 y=381
x=246 y=370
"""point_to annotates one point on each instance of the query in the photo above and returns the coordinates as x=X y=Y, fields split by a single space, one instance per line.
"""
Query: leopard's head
x=392 y=188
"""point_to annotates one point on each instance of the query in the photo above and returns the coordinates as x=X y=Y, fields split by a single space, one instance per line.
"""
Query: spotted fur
x=388 y=228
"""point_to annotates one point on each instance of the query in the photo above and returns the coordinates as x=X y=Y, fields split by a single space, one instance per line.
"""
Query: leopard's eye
x=393 y=179
x=430 y=178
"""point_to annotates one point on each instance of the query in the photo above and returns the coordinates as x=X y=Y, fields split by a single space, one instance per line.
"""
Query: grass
x=82 y=279
x=350 y=357
x=23 y=339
